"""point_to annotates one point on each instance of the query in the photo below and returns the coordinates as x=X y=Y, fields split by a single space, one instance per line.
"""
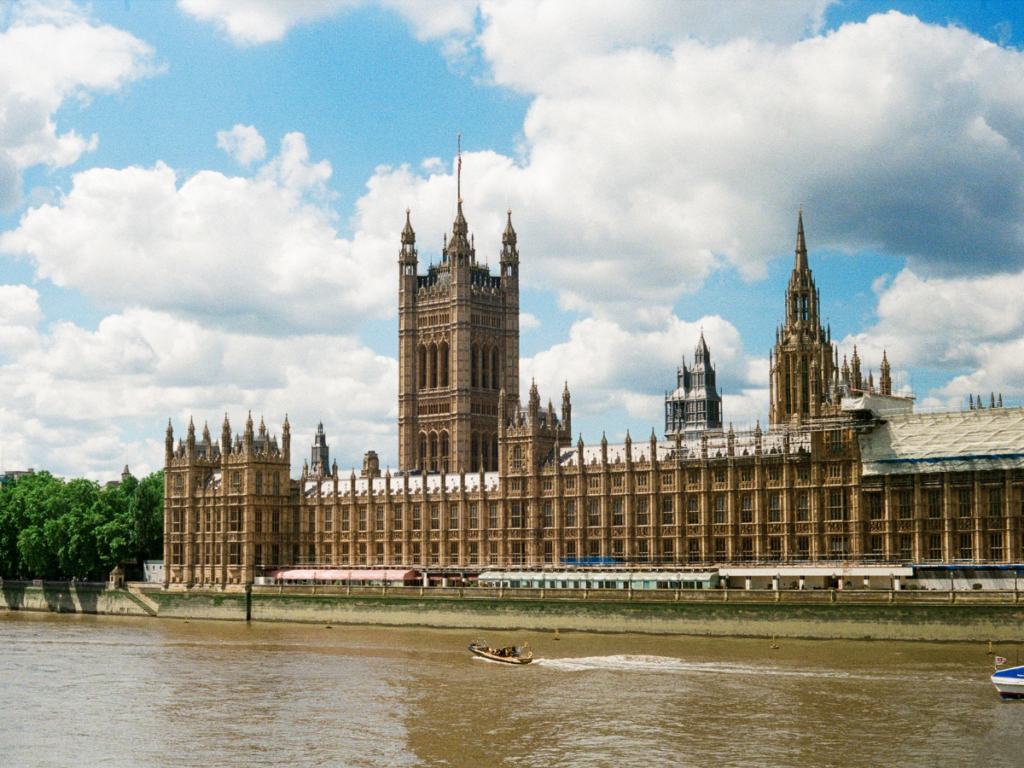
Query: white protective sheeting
x=880 y=405
x=945 y=442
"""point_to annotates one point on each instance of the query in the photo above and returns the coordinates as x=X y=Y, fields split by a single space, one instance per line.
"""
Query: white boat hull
x=1010 y=682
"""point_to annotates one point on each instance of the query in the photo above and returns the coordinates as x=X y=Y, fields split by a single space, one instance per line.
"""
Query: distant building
x=13 y=474
x=320 y=460
x=695 y=406
x=153 y=571
x=125 y=474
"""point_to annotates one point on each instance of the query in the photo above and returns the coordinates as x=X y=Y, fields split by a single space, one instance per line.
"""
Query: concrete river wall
x=842 y=614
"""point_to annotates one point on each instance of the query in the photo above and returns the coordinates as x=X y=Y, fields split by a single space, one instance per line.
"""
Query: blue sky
x=201 y=202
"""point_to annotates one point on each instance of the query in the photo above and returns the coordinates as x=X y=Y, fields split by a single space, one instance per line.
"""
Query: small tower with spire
x=803 y=363
x=885 y=376
x=695 y=405
x=320 y=459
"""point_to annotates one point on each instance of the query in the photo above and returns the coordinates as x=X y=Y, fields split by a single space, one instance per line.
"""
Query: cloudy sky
x=200 y=203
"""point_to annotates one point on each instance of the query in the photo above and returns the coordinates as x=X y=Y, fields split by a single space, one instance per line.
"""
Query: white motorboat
x=1009 y=682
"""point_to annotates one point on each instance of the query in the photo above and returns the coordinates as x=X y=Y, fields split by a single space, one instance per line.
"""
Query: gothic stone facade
x=824 y=483
x=458 y=338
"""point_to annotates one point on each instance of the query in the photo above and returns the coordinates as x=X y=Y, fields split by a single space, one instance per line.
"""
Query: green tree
x=51 y=529
x=146 y=513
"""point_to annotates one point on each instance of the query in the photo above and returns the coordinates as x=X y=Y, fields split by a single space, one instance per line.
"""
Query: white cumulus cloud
x=644 y=169
x=73 y=399
x=260 y=253
x=251 y=22
x=19 y=315
x=243 y=143
x=49 y=55
x=610 y=368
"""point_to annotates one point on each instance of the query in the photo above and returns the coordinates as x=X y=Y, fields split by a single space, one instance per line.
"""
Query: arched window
x=517 y=458
x=259 y=483
x=443 y=362
x=444 y=452
x=494 y=453
x=433 y=366
x=423 y=457
x=474 y=367
x=495 y=369
x=236 y=481
x=179 y=483
x=433 y=451
x=483 y=366
x=277 y=484
x=423 y=367
x=474 y=453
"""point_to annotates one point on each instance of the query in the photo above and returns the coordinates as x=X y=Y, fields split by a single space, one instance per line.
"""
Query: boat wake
x=668 y=665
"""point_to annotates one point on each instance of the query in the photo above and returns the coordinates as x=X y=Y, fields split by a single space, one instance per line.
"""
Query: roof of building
x=957 y=441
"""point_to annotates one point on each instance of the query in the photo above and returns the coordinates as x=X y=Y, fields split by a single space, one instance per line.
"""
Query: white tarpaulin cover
x=882 y=405
x=945 y=442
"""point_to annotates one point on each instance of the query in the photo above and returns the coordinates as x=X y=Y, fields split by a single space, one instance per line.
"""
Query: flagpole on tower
x=458 y=189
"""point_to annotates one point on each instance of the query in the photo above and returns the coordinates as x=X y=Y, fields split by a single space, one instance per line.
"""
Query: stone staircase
x=146 y=603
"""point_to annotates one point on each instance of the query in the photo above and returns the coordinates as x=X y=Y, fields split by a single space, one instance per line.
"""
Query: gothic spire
x=801 y=243
x=702 y=353
x=408 y=236
x=508 y=237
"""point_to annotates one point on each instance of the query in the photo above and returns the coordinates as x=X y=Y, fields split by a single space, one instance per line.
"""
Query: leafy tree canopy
x=56 y=529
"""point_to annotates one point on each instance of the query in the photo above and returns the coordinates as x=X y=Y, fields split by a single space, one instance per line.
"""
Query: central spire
x=458 y=175
x=801 y=243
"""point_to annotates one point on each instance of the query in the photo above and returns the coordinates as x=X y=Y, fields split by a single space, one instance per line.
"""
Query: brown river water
x=95 y=691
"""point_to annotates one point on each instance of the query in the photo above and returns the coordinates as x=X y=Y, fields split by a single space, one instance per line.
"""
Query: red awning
x=338 y=574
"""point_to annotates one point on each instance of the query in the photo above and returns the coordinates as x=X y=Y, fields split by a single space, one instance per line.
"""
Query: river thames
x=84 y=691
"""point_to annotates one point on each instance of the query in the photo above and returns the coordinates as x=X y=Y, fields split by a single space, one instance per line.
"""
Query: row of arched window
x=435 y=361
x=483 y=453
x=485 y=367
x=434 y=451
x=433 y=365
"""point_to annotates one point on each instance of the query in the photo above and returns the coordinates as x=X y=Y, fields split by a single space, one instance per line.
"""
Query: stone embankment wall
x=860 y=614
x=69 y=597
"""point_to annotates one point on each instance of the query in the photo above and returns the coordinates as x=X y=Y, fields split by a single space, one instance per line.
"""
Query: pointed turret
x=206 y=434
x=225 y=437
x=168 y=444
x=286 y=439
x=534 y=405
x=509 y=253
x=508 y=237
x=190 y=439
x=885 y=378
x=459 y=251
x=702 y=353
x=408 y=236
x=249 y=436
x=856 y=382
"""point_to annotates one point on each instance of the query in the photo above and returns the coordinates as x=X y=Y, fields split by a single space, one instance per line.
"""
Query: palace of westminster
x=845 y=470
